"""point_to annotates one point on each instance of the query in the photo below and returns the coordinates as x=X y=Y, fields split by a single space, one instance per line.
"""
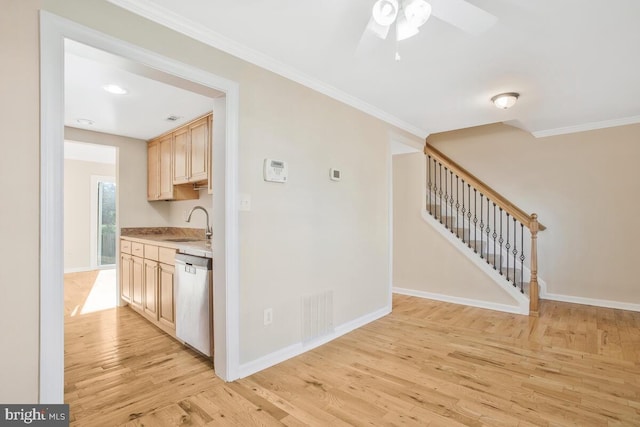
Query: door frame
x=53 y=31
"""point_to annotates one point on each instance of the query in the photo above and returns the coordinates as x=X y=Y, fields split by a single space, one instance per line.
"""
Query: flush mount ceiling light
x=115 y=89
x=85 y=122
x=505 y=100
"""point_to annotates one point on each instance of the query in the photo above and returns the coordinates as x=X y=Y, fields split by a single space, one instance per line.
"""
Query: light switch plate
x=245 y=203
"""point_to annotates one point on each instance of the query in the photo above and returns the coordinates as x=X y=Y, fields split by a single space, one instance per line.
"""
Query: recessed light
x=115 y=89
x=85 y=122
x=505 y=100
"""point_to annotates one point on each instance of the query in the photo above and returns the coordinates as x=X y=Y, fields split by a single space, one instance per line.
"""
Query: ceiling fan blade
x=380 y=31
x=463 y=15
x=371 y=38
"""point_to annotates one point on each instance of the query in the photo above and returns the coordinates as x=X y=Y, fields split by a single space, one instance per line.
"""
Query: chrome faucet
x=208 y=231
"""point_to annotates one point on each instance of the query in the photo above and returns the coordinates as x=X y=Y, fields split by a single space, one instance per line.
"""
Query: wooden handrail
x=527 y=220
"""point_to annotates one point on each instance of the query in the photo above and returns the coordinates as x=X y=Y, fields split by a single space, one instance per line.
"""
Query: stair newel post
x=533 y=286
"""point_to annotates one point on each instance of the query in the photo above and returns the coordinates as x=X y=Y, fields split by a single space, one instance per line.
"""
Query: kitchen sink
x=183 y=240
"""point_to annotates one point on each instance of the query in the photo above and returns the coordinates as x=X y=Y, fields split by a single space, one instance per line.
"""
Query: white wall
x=78 y=210
x=423 y=260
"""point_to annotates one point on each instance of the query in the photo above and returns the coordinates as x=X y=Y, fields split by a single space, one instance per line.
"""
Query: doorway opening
x=53 y=32
x=90 y=222
x=105 y=229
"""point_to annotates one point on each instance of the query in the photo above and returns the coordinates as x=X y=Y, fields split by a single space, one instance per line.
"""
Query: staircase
x=492 y=228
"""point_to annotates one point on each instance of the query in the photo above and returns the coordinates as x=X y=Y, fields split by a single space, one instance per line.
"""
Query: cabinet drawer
x=167 y=256
x=137 y=249
x=125 y=247
x=151 y=252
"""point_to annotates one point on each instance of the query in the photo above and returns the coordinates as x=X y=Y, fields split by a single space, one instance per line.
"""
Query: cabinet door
x=180 y=156
x=150 y=298
x=165 y=173
x=166 y=308
x=126 y=266
x=153 y=171
x=137 y=279
x=199 y=149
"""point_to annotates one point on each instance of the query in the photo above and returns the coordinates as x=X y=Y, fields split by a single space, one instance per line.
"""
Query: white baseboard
x=83 y=269
x=588 y=301
x=296 y=349
x=464 y=301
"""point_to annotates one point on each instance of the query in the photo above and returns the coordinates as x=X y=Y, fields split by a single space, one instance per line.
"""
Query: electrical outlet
x=268 y=316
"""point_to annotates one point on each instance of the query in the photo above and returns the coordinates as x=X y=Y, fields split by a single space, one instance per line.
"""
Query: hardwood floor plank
x=427 y=363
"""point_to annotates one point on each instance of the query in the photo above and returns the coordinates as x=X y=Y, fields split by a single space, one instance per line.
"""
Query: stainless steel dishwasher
x=194 y=302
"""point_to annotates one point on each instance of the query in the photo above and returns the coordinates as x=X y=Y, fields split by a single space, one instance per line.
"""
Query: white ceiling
x=141 y=113
x=574 y=62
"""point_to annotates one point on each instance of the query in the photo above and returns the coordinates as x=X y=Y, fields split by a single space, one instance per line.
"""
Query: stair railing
x=485 y=220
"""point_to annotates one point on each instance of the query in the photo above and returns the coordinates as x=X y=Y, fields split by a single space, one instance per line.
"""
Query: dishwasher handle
x=195 y=261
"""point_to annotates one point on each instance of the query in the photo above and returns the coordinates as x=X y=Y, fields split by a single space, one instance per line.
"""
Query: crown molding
x=149 y=10
x=587 y=126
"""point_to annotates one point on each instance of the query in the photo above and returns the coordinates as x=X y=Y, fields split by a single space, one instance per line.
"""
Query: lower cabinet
x=137 y=281
x=166 y=308
x=147 y=283
x=150 y=302
x=126 y=268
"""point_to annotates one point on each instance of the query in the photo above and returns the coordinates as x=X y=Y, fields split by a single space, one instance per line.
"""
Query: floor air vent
x=317 y=315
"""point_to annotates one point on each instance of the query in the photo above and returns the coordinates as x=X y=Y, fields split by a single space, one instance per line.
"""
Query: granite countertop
x=165 y=236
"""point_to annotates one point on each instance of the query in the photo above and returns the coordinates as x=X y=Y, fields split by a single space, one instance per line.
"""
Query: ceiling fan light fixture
x=417 y=12
x=404 y=29
x=505 y=100
x=385 y=11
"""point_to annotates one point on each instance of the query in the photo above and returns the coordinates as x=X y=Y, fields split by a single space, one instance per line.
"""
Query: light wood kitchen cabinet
x=160 y=172
x=137 y=281
x=199 y=149
x=153 y=171
x=180 y=156
x=147 y=281
x=126 y=269
x=191 y=148
x=150 y=299
x=164 y=160
x=166 y=308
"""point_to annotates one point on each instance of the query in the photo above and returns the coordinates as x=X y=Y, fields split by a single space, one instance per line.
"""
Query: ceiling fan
x=409 y=15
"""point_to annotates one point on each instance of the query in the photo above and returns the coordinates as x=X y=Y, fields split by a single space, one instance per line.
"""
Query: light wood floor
x=428 y=363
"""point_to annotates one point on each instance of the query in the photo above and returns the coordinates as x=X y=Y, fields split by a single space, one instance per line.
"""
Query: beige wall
x=583 y=187
x=19 y=214
x=310 y=234
x=423 y=260
x=77 y=211
x=133 y=208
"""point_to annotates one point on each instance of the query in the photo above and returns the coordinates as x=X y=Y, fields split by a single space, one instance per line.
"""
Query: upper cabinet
x=191 y=148
x=178 y=159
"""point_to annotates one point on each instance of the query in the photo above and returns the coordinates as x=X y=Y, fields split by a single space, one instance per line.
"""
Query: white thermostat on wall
x=275 y=170
x=334 y=174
